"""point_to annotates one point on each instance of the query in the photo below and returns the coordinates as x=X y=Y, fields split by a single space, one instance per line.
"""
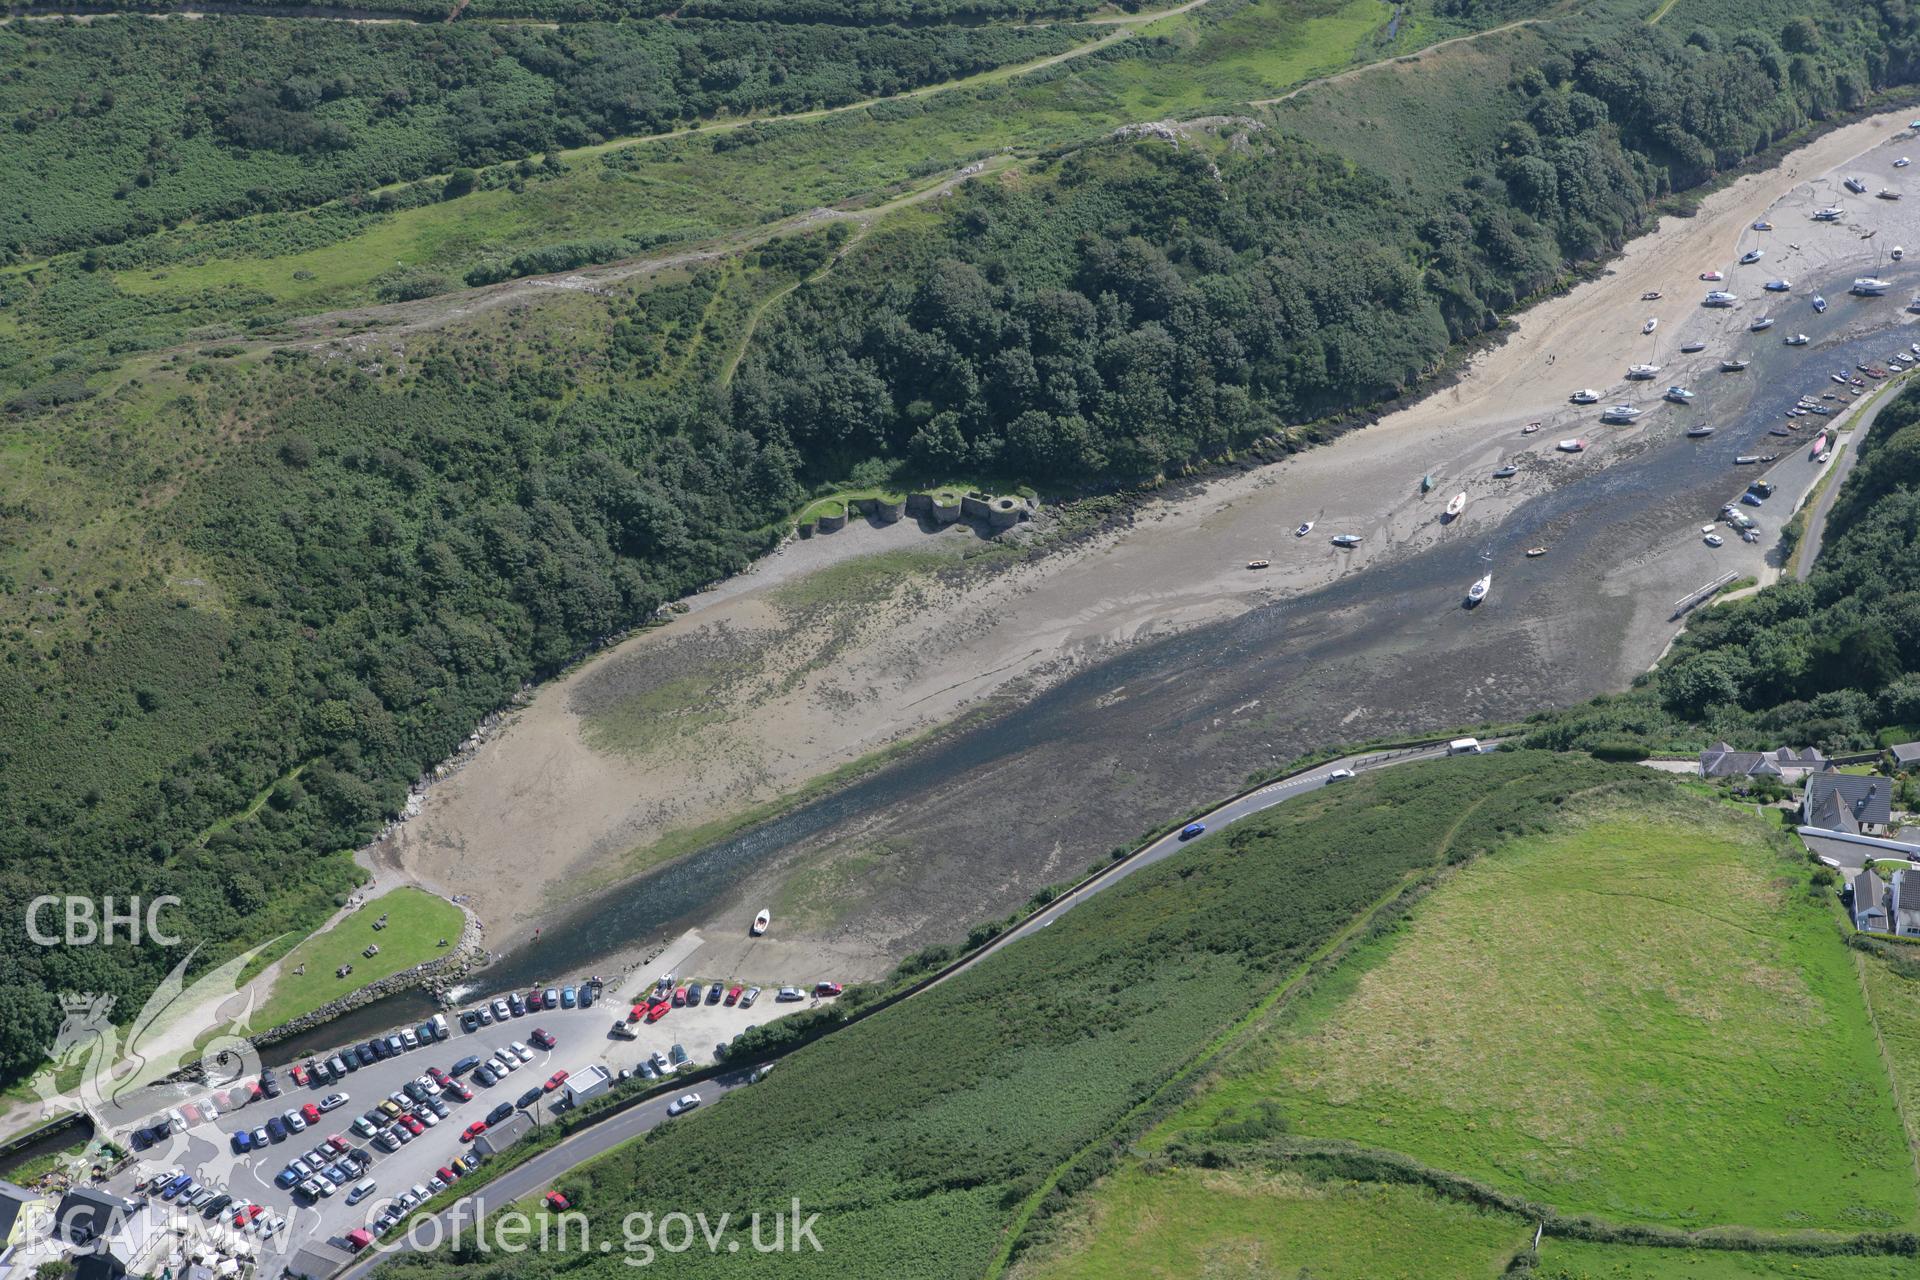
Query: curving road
x=458 y=1221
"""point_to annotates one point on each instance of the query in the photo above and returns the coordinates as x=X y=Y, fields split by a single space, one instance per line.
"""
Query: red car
x=555 y=1080
x=534 y=1000
x=460 y=1091
x=448 y=1175
x=338 y=1143
x=246 y=1214
x=733 y=996
x=679 y=997
x=299 y=1074
x=659 y=1010
x=439 y=1077
x=639 y=1011
x=826 y=988
x=542 y=1038
x=414 y=1127
x=474 y=1130
x=310 y=1113
x=557 y=1201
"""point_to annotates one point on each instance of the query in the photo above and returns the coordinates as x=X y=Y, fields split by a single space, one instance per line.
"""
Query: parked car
x=362 y=1191
x=733 y=996
x=334 y=1101
x=678 y=1056
x=569 y=998
x=684 y=1103
x=557 y=1201
x=535 y=1003
x=827 y=988
x=658 y=1010
x=679 y=997
x=410 y=1038
x=482 y=1076
x=588 y=994
x=517 y=1005
x=500 y=1113
x=473 y=1131
x=530 y=1097
x=716 y=993
x=555 y=1080
x=242 y=1142
x=469 y=1021
x=746 y=1001
x=277 y=1129
x=787 y=995
x=261 y=1137
x=460 y=1091
x=466 y=1064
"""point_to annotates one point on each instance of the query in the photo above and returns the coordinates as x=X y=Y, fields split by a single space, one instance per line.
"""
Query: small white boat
x=1713 y=275
x=1571 y=446
x=1797 y=340
x=1763 y=323
x=1897 y=253
x=1506 y=472
x=1763 y=225
x=1887 y=193
x=1832 y=213
x=1258 y=564
x=1535 y=552
x=1720 y=298
x=1478 y=591
x=1733 y=366
x=1819 y=304
x=1746 y=460
x=1698 y=432
x=1617 y=414
x=1869 y=287
x=1752 y=256
x=1650 y=325
x=1346 y=540
x=1585 y=395
x=1778 y=286
x=761 y=921
x=1689 y=348
x=1902 y=163
x=1855 y=185
x=1679 y=395
x=1306 y=527
x=1532 y=427
x=1651 y=295
x=1642 y=372
x=1456 y=504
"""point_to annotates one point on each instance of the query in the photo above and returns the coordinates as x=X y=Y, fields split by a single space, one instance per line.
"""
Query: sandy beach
x=836 y=647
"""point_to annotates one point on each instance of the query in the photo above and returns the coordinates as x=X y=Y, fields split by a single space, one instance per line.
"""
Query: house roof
x=1721 y=761
x=1905 y=753
x=1869 y=891
x=85 y=1215
x=1867 y=800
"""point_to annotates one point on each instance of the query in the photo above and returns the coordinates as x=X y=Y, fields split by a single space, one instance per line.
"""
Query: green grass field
x=1634 y=1018
x=416 y=921
x=1231 y=1223
x=1579 y=1260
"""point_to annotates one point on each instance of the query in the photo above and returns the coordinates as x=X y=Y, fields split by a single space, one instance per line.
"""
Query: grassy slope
x=1635 y=1017
x=416 y=921
x=917 y=1134
x=1578 y=1260
x=709 y=184
x=1185 y=1222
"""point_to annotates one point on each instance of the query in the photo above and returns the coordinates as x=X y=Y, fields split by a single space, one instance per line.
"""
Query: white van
x=1464 y=747
x=440 y=1029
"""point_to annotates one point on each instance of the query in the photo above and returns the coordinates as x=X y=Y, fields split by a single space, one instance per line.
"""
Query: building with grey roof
x=1784 y=763
x=1857 y=804
x=1870 y=903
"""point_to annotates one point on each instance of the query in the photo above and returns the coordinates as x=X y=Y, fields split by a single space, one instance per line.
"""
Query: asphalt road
x=1817 y=518
x=544 y=1171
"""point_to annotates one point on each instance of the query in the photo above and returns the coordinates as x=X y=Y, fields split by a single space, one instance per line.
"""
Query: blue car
x=175 y=1187
x=286 y=1178
x=568 y=998
x=242 y=1143
x=1192 y=829
x=1751 y=498
x=277 y=1129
